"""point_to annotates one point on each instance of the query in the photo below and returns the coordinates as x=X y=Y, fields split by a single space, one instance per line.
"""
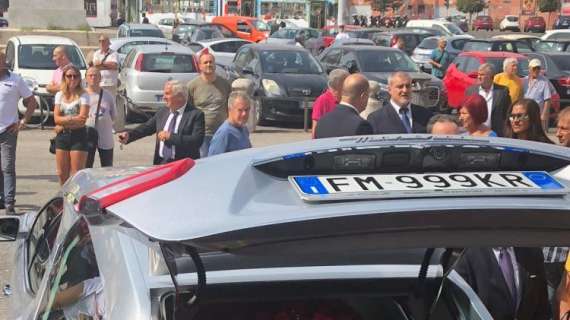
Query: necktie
x=405 y=119
x=167 y=150
x=506 y=264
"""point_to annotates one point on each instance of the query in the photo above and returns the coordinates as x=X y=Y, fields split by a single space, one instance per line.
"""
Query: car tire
x=259 y=114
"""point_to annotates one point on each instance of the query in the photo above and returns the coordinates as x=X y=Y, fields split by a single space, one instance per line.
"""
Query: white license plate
x=158 y=97
x=348 y=187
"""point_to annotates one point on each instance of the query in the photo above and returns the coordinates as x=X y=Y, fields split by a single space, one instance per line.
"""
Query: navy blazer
x=501 y=104
x=480 y=269
x=387 y=121
x=342 y=121
x=188 y=139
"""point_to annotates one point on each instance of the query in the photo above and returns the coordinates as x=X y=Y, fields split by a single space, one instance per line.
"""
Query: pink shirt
x=324 y=104
x=56 y=76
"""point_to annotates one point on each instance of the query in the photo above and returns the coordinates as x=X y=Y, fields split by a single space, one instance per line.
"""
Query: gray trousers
x=8 y=167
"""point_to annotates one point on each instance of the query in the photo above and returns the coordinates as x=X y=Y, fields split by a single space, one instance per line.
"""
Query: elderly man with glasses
x=537 y=87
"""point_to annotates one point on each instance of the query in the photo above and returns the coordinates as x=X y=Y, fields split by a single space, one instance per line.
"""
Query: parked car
x=556 y=35
x=314 y=234
x=497 y=45
x=509 y=22
x=433 y=31
x=422 y=53
x=30 y=56
x=329 y=33
x=353 y=42
x=535 y=24
x=224 y=50
x=364 y=33
x=200 y=31
x=462 y=72
x=378 y=63
x=144 y=72
x=530 y=40
x=562 y=22
x=411 y=38
x=139 y=30
x=287 y=80
x=445 y=26
x=248 y=28
x=123 y=45
x=553 y=46
x=460 y=22
x=557 y=70
x=288 y=36
x=482 y=23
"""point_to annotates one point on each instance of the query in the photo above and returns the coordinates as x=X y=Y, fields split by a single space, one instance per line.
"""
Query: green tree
x=470 y=6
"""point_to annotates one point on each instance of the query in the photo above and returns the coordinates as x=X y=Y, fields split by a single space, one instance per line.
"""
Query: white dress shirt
x=489 y=98
x=408 y=112
x=166 y=125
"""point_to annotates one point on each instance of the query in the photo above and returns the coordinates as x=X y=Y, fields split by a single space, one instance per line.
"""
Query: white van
x=444 y=26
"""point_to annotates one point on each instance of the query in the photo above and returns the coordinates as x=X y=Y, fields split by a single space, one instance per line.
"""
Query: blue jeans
x=205 y=146
x=8 y=167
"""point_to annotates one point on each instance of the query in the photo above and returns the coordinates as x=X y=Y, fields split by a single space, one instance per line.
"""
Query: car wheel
x=259 y=116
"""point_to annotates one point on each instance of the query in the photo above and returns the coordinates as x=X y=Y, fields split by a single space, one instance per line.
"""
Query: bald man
x=345 y=119
x=61 y=60
x=399 y=115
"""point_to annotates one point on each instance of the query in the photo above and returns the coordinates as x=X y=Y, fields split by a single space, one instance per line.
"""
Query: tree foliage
x=470 y=6
x=548 y=5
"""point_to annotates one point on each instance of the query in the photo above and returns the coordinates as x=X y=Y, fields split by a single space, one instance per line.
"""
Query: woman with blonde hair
x=70 y=113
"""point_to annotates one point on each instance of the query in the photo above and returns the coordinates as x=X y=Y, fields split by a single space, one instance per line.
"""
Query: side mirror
x=9 y=227
x=472 y=75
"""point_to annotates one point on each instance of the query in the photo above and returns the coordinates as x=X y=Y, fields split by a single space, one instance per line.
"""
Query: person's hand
x=58 y=129
x=123 y=137
x=163 y=135
x=22 y=125
x=14 y=127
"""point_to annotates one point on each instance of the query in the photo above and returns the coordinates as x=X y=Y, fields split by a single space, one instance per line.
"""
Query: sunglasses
x=521 y=117
x=72 y=76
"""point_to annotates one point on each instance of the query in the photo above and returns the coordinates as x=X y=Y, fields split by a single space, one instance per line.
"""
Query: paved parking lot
x=37 y=180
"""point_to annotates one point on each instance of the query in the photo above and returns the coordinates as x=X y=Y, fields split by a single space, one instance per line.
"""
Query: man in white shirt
x=107 y=61
x=341 y=34
x=12 y=88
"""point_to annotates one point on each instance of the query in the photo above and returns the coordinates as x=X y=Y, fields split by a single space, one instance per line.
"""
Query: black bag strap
x=98 y=108
x=105 y=57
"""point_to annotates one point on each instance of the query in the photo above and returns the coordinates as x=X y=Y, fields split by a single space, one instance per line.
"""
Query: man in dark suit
x=399 y=115
x=509 y=281
x=179 y=127
x=345 y=119
x=497 y=97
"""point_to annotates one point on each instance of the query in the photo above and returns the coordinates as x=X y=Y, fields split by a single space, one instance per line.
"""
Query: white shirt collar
x=397 y=107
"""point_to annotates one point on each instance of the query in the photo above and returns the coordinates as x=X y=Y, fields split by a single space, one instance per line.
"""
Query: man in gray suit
x=497 y=97
x=179 y=127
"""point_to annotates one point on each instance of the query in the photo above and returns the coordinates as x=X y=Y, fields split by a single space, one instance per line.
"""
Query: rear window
x=428 y=44
x=512 y=19
x=168 y=63
x=562 y=62
x=146 y=33
x=39 y=56
x=478 y=46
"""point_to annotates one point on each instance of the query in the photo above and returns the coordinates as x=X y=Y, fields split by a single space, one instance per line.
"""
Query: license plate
x=350 y=187
x=158 y=97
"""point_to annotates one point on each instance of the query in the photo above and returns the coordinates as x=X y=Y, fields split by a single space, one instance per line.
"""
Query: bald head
x=60 y=56
x=355 y=91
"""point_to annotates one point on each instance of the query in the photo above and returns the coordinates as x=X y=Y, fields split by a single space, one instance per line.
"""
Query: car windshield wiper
x=172 y=252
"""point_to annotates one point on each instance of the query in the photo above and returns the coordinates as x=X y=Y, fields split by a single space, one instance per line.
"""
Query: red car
x=535 y=24
x=329 y=33
x=483 y=23
x=462 y=73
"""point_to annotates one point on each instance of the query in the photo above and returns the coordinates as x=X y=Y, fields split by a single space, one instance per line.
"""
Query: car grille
x=302 y=92
x=427 y=97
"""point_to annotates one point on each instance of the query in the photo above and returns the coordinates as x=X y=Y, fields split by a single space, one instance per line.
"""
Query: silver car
x=342 y=228
x=422 y=53
x=144 y=72
x=223 y=49
x=313 y=40
x=123 y=45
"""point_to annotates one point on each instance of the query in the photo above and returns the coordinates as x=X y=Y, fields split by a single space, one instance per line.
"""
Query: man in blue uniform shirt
x=233 y=135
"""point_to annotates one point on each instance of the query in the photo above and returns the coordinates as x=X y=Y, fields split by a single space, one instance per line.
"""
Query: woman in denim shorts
x=70 y=113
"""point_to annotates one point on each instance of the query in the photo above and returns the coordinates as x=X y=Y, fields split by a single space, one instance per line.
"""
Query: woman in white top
x=104 y=119
x=70 y=113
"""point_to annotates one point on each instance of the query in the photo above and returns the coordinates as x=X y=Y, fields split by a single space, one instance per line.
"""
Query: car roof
x=275 y=47
x=140 y=26
x=33 y=39
x=492 y=54
x=123 y=40
x=515 y=36
x=370 y=48
x=256 y=199
x=209 y=42
x=493 y=40
x=157 y=48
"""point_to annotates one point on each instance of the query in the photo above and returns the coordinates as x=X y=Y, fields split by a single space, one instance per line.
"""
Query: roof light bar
x=97 y=200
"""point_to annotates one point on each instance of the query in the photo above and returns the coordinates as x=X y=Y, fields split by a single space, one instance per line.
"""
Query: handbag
x=92 y=134
x=52 y=145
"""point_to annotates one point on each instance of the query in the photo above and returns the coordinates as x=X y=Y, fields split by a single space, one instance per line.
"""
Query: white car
x=123 y=45
x=223 y=49
x=30 y=56
x=510 y=22
x=562 y=34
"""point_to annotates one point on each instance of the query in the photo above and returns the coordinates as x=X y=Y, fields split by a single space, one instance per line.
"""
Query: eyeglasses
x=72 y=76
x=518 y=117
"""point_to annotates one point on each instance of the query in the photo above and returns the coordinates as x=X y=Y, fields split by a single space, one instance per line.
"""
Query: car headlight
x=271 y=87
x=31 y=83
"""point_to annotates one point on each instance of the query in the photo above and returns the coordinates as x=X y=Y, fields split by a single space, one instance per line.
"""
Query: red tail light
x=139 y=62
x=393 y=41
x=564 y=82
x=96 y=201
